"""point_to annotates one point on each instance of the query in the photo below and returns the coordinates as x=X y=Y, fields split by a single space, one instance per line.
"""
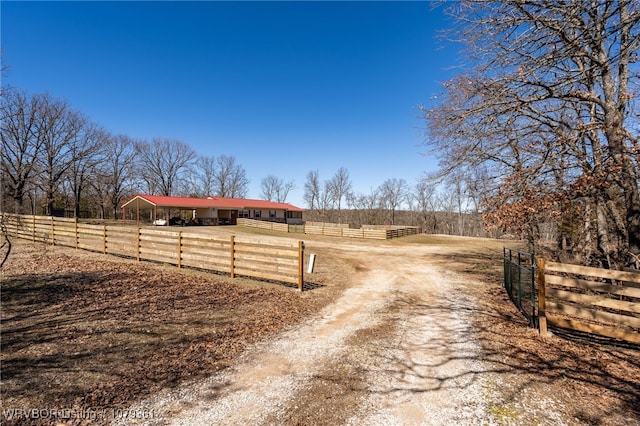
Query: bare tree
x=285 y=189
x=547 y=110
x=84 y=149
x=276 y=189
x=21 y=145
x=58 y=128
x=115 y=172
x=269 y=187
x=338 y=187
x=230 y=179
x=203 y=176
x=100 y=189
x=393 y=192
x=455 y=184
x=425 y=195
x=312 y=190
x=367 y=207
x=326 y=200
x=163 y=164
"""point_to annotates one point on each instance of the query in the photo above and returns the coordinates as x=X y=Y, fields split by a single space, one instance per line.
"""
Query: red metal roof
x=212 y=202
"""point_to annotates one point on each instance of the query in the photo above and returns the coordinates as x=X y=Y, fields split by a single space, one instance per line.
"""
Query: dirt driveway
x=397 y=347
x=414 y=331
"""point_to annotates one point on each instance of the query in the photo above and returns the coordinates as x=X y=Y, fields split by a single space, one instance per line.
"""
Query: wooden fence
x=334 y=231
x=380 y=232
x=402 y=232
x=598 y=301
x=281 y=261
x=263 y=224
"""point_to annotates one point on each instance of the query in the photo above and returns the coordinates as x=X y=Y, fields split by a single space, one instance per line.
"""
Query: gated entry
x=519 y=281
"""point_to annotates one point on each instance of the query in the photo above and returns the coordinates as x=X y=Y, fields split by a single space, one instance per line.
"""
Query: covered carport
x=157 y=209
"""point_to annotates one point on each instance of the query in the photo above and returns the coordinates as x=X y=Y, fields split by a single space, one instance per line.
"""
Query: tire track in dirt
x=429 y=371
x=424 y=369
x=266 y=380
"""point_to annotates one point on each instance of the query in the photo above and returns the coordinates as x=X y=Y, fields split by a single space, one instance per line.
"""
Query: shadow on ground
x=524 y=379
x=89 y=334
x=589 y=379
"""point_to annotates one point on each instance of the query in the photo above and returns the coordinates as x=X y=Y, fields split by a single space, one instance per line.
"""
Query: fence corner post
x=301 y=265
x=232 y=250
x=542 y=316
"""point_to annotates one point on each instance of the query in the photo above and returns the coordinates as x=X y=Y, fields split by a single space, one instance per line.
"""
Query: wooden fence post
x=301 y=265
x=542 y=317
x=179 y=249
x=34 y=227
x=77 y=237
x=232 y=250
x=53 y=232
x=104 y=238
x=138 y=244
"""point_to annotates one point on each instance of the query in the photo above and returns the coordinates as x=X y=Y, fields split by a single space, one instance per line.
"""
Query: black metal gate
x=519 y=281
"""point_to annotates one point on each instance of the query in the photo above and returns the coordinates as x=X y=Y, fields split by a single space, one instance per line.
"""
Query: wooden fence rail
x=598 y=301
x=281 y=261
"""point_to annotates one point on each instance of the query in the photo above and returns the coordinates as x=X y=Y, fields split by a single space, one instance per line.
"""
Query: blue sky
x=285 y=87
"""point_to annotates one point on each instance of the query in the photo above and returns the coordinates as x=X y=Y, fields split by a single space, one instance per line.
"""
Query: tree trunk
x=50 y=200
x=604 y=242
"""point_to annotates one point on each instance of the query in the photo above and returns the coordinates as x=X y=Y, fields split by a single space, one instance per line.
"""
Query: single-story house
x=210 y=210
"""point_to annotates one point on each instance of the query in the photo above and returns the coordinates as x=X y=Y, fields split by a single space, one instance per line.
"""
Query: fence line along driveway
x=281 y=261
x=575 y=297
x=597 y=301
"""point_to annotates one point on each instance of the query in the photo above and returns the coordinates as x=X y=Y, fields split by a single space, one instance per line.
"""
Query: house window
x=256 y=214
x=243 y=214
x=272 y=213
